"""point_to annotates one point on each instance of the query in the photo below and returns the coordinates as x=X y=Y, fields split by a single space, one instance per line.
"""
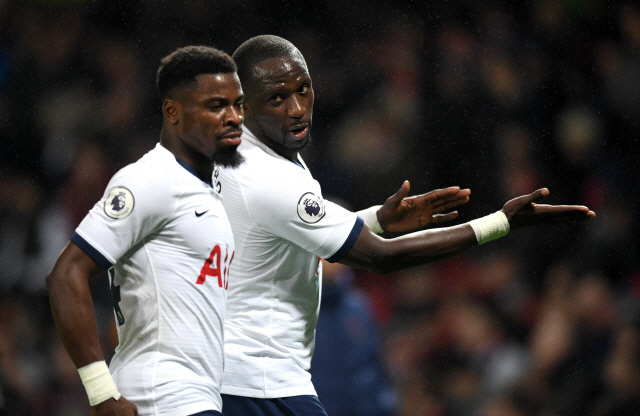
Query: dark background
x=500 y=97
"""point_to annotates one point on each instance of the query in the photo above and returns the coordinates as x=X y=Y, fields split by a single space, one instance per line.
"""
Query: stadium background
x=500 y=97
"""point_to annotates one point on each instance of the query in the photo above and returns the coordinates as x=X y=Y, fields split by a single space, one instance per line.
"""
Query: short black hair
x=180 y=68
x=259 y=49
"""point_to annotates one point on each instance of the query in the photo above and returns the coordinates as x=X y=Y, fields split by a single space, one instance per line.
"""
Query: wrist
x=98 y=382
x=490 y=227
x=370 y=217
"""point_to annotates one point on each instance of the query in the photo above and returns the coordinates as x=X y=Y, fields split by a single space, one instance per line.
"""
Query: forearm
x=388 y=255
x=74 y=317
x=429 y=246
x=72 y=305
x=383 y=256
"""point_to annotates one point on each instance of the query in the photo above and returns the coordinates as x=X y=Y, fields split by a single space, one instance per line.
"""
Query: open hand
x=402 y=214
x=524 y=211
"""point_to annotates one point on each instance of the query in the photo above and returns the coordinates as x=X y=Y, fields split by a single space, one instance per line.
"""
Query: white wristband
x=98 y=382
x=490 y=227
x=370 y=217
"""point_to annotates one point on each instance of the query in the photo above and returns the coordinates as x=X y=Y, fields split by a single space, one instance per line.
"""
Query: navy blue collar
x=194 y=172
x=295 y=161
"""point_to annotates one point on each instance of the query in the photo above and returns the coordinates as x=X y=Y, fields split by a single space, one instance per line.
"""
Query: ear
x=171 y=110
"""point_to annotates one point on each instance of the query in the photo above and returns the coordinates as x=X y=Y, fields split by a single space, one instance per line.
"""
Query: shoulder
x=153 y=180
x=262 y=173
x=158 y=166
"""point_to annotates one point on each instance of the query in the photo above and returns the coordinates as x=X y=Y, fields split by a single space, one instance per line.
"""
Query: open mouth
x=299 y=132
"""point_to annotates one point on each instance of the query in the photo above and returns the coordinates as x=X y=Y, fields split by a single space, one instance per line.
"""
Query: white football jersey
x=165 y=239
x=282 y=227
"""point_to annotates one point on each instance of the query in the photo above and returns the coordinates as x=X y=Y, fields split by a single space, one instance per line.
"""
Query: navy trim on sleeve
x=91 y=252
x=349 y=242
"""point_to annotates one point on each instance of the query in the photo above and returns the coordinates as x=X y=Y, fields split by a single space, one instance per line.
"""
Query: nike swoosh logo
x=200 y=214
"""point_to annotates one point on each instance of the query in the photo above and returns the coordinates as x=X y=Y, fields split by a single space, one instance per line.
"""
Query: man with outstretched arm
x=161 y=232
x=283 y=228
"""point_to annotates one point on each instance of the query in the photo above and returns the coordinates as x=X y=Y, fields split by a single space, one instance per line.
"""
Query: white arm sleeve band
x=98 y=382
x=370 y=217
x=490 y=227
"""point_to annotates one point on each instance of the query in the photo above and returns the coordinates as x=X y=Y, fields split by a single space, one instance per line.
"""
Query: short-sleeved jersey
x=282 y=228
x=165 y=239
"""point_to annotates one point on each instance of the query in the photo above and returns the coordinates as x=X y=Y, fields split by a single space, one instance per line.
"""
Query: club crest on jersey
x=119 y=203
x=310 y=208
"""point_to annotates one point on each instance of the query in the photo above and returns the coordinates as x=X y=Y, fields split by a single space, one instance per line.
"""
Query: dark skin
x=400 y=213
x=279 y=113
x=197 y=122
x=74 y=316
x=192 y=117
x=280 y=107
x=279 y=110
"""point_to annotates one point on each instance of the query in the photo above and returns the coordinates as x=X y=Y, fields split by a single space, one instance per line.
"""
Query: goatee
x=228 y=158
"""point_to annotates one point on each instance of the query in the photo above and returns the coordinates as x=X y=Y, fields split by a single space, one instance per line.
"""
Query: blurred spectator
x=346 y=367
x=499 y=97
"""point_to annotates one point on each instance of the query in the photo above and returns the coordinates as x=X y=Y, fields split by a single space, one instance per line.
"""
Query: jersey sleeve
x=299 y=214
x=133 y=206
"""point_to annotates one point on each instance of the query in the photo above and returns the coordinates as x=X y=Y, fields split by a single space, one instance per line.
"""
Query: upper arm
x=72 y=264
x=298 y=213
x=130 y=209
x=72 y=306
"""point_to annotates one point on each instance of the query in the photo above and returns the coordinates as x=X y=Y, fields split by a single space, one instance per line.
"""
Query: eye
x=276 y=97
x=304 y=89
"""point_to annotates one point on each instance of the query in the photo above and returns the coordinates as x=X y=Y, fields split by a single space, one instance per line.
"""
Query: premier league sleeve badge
x=119 y=203
x=310 y=208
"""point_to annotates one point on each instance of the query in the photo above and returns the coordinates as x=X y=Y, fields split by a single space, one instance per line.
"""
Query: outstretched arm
x=401 y=214
x=74 y=316
x=383 y=256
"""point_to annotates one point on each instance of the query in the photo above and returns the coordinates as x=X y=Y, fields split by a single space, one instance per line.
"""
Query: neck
x=276 y=147
x=199 y=163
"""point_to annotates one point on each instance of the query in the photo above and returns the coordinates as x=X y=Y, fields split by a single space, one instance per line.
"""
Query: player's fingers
x=400 y=193
x=537 y=195
x=460 y=197
x=449 y=203
x=571 y=217
x=564 y=213
x=442 y=196
x=444 y=217
x=562 y=209
x=452 y=204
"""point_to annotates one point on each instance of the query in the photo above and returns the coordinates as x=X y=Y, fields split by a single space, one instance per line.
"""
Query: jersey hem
x=191 y=409
x=271 y=394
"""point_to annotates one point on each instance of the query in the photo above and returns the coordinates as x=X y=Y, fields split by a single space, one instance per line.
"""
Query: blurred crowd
x=499 y=97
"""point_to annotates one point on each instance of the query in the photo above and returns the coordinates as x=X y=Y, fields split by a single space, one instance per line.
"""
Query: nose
x=296 y=107
x=234 y=116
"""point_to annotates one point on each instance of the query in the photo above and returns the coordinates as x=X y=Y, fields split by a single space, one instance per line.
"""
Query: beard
x=228 y=158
